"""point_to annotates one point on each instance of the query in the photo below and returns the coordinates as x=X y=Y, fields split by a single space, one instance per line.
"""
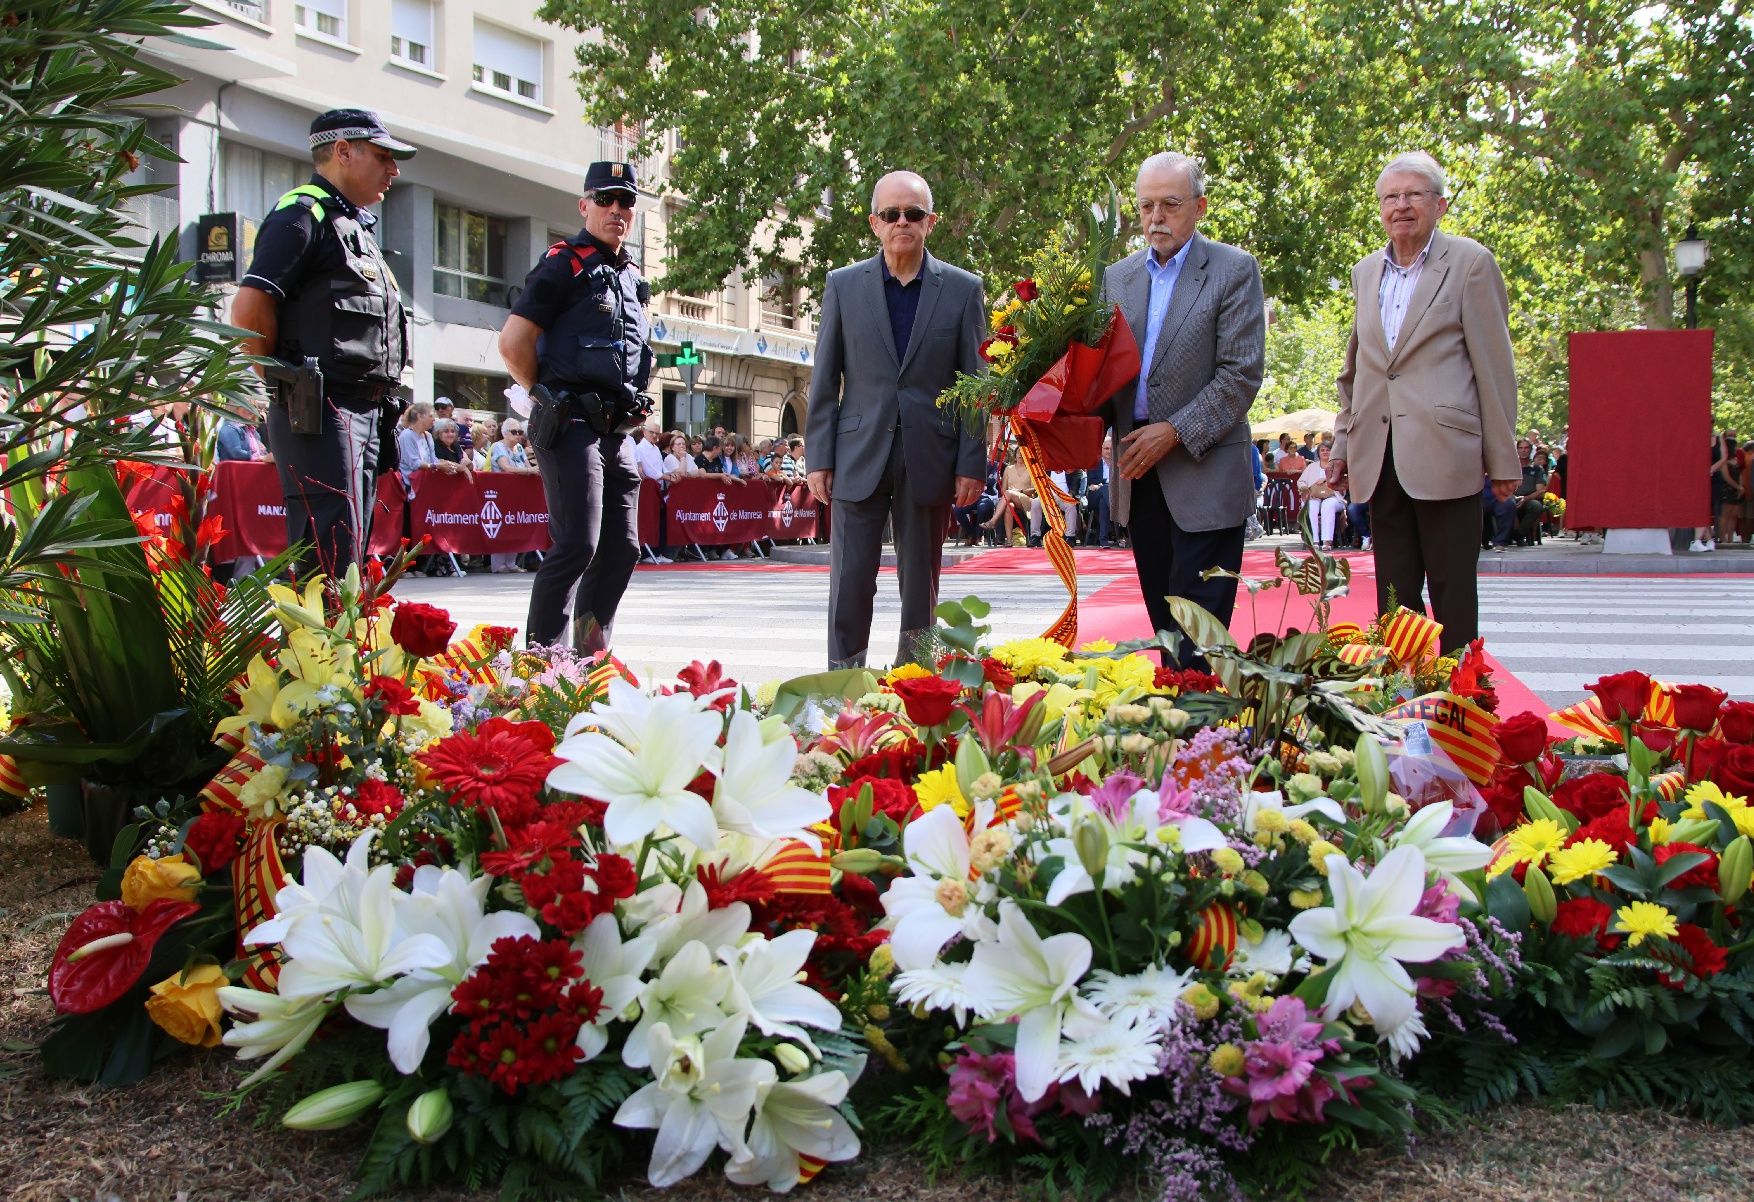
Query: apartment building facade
x=487 y=93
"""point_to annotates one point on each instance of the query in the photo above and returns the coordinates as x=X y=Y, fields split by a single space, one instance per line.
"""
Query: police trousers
x=329 y=482
x=592 y=487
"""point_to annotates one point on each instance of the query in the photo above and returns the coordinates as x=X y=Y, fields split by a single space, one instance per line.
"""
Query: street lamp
x=1690 y=255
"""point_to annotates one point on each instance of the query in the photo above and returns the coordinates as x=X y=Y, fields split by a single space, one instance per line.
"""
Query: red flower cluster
x=214 y=839
x=422 y=630
x=1702 y=876
x=1184 y=680
x=569 y=893
x=501 y=766
x=1471 y=680
x=703 y=680
x=888 y=796
x=396 y=698
x=1584 y=918
x=372 y=796
x=524 y=1006
x=1703 y=959
x=927 y=699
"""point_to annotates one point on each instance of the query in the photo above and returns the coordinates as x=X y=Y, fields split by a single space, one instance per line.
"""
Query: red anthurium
x=1696 y=705
x=1623 y=695
x=106 y=949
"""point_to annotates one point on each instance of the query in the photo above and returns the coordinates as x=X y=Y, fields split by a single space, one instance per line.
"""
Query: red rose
x=1660 y=739
x=1703 y=759
x=1736 y=722
x=1584 y=917
x=888 y=796
x=1703 y=875
x=1523 y=738
x=1026 y=290
x=373 y=796
x=1592 y=796
x=422 y=630
x=1704 y=958
x=1504 y=796
x=1735 y=771
x=927 y=698
x=1623 y=695
x=214 y=838
x=392 y=694
x=1696 y=706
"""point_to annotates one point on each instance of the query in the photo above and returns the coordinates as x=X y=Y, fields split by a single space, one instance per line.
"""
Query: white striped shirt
x=1396 y=289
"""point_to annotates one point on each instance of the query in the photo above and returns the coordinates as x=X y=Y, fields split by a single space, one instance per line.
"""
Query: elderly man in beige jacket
x=1427 y=400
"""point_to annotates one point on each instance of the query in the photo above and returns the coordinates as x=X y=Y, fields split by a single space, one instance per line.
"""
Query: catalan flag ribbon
x=12 y=782
x=1670 y=784
x=1359 y=654
x=257 y=875
x=797 y=868
x=222 y=792
x=1586 y=716
x=470 y=657
x=1064 y=629
x=1460 y=727
x=1411 y=638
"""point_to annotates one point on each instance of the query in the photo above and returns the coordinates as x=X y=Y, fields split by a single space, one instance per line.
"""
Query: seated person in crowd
x=511 y=453
x=1517 y=517
x=972 y=519
x=1072 y=485
x=1093 y=522
x=1016 y=494
x=1321 y=501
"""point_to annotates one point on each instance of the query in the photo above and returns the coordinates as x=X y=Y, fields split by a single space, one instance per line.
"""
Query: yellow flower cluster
x=1002 y=314
x=1033 y=657
x=1530 y=843
x=1740 y=812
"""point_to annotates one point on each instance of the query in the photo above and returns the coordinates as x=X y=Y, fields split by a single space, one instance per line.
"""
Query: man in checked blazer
x=1183 y=480
x=1427 y=400
x=895 y=330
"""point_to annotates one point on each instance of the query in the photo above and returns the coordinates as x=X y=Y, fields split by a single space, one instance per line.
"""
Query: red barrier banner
x=651 y=500
x=153 y=489
x=794 y=513
x=493 y=513
x=247 y=497
x=717 y=511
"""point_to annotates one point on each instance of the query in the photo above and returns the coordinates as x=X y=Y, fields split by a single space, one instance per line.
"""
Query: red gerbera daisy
x=501 y=765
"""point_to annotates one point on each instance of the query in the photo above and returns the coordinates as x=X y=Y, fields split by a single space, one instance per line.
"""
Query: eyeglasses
x=1394 y=200
x=1169 y=204
x=604 y=200
x=913 y=213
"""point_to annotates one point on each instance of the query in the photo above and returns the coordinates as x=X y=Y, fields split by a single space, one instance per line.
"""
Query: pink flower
x=1111 y=797
x=1280 y=1080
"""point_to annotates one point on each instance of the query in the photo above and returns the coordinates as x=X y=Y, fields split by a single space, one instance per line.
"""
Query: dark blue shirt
x=904 y=303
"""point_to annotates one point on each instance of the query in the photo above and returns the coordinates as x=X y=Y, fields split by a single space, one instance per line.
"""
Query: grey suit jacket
x=862 y=390
x=1202 y=378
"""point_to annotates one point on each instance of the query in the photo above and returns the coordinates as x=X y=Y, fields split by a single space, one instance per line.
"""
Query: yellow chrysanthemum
x=1697 y=795
x=1582 y=859
x=908 y=671
x=1640 y=920
x=1530 y=843
x=999 y=349
x=939 y=786
x=1127 y=671
x=1026 y=657
x=1097 y=646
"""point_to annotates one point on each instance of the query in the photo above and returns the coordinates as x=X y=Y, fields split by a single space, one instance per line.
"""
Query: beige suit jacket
x=1447 y=391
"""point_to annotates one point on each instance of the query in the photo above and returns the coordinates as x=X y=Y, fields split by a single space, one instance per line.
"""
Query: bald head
x=901 y=218
x=901 y=188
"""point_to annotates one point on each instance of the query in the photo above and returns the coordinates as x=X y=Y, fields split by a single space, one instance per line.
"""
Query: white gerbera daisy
x=936 y=987
x=1147 y=997
x=1095 y=1050
x=1272 y=954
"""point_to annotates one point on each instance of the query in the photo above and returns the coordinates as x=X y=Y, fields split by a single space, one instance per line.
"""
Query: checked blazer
x=1202 y=378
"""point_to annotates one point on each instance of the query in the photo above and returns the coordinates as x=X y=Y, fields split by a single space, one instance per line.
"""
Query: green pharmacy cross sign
x=688 y=363
x=686 y=357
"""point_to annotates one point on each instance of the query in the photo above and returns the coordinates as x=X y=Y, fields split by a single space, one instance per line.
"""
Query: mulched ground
x=166 y=1140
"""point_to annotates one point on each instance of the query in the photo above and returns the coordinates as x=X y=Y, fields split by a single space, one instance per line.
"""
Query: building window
x=469 y=258
x=325 y=17
x=779 y=300
x=471 y=390
x=508 y=62
x=411 y=32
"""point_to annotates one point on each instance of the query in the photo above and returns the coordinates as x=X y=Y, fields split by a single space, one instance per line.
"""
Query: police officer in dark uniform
x=323 y=302
x=580 y=331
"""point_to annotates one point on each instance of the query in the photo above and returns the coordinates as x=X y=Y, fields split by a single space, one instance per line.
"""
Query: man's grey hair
x=930 y=208
x=1170 y=159
x=1417 y=162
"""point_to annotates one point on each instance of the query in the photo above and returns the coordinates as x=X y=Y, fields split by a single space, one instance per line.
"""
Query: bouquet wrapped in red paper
x=1056 y=354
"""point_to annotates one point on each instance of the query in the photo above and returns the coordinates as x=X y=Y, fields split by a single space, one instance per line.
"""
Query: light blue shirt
x=1163 y=278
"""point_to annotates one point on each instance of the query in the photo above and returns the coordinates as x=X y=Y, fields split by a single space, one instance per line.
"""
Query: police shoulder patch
x=579 y=257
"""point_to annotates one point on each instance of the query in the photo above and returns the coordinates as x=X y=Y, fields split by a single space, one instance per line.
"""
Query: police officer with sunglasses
x=580 y=331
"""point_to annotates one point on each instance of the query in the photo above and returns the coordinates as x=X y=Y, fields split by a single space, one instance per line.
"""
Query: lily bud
x=1735 y=869
x=337 y=1106
x=1031 y=730
x=1537 y=805
x=1091 y=842
x=430 y=1116
x=1698 y=831
x=1539 y=890
x=862 y=860
x=794 y=1059
x=1371 y=764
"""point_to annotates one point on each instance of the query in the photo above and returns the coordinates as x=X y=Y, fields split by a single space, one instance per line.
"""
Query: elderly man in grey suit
x=1184 y=484
x=895 y=330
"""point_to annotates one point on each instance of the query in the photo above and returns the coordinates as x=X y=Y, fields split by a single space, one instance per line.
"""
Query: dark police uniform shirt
x=589 y=339
x=292 y=245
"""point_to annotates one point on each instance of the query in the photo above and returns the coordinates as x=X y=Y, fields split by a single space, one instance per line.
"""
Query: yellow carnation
x=1640 y=920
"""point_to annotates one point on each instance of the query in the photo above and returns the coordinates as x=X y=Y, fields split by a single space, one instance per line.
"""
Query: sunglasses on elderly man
x=913 y=213
x=626 y=200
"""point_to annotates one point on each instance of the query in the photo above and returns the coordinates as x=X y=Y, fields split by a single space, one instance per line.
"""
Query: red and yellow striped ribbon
x=470 y=657
x=1670 y=784
x=257 y=875
x=222 y=792
x=1460 y=727
x=12 y=782
x=1586 y=716
x=797 y=868
x=1411 y=637
x=1064 y=629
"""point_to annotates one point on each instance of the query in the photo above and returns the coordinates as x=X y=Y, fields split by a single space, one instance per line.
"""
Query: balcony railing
x=255 y=10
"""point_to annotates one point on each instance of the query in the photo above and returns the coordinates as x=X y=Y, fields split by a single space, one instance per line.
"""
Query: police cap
x=356 y=125
x=611 y=177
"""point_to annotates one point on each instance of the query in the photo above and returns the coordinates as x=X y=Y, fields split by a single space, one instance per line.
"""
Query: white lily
x=675 y=917
x=766 y=985
x=280 y=1029
x=353 y=939
x=793 y=1119
x=618 y=969
x=684 y=999
x=701 y=1099
x=1255 y=804
x=1021 y=975
x=644 y=772
x=1446 y=856
x=449 y=906
x=1368 y=933
x=754 y=795
x=1136 y=821
x=936 y=901
x=322 y=875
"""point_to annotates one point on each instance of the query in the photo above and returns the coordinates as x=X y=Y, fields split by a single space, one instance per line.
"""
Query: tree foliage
x=1584 y=136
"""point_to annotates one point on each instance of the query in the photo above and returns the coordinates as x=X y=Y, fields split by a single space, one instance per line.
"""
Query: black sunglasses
x=913 y=213
x=626 y=200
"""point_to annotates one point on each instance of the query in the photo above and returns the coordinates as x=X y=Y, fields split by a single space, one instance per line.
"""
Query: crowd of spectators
x=665 y=457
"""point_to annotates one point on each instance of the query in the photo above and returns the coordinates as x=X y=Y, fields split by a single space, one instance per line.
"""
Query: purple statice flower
x=1112 y=796
x=1280 y=1081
